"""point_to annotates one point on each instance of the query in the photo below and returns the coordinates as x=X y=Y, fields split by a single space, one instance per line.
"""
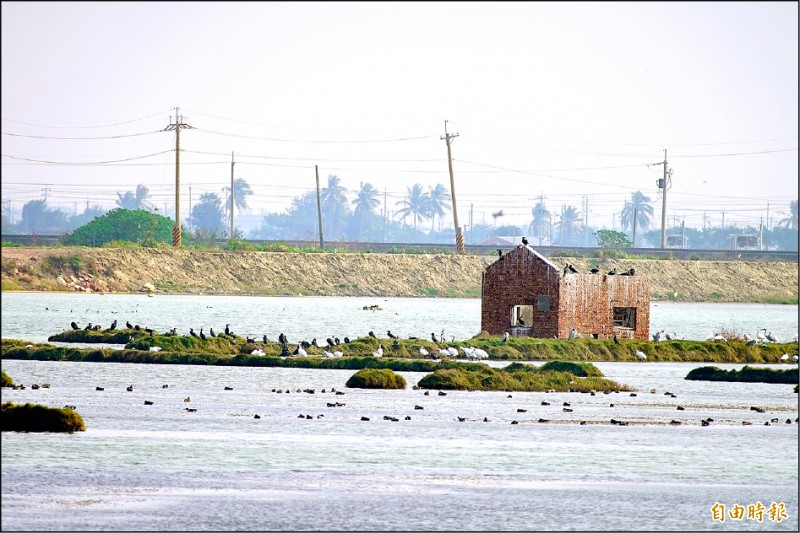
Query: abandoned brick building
x=528 y=296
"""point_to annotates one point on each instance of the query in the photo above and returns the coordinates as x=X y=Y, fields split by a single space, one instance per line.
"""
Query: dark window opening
x=625 y=317
x=543 y=303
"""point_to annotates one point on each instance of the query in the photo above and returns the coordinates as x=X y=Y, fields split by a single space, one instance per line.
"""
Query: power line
x=86 y=127
x=80 y=138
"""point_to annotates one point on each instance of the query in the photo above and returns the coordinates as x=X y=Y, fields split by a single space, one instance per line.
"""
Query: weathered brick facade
x=524 y=285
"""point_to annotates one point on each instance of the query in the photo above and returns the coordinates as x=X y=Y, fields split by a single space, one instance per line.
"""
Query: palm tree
x=365 y=202
x=241 y=190
x=640 y=205
x=569 y=224
x=415 y=204
x=540 y=224
x=438 y=200
x=133 y=201
x=335 y=208
x=790 y=221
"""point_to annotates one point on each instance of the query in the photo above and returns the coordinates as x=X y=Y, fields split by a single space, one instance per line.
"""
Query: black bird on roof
x=202 y=335
x=128 y=324
x=612 y=272
x=211 y=331
x=499 y=252
x=628 y=272
x=74 y=326
x=113 y=326
x=227 y=329
x=525 y=241
x=192 y=333
x=572 y=269
x=595 y=270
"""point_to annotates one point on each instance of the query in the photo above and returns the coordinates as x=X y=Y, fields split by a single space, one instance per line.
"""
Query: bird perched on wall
x=572 y=269
x=499 y=252
x=595 y=270
x=628 y=272
x=525 y=241
x=520 y=321
x=612 y=272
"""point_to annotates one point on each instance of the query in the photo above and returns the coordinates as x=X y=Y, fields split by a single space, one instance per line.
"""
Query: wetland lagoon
x=253 y=449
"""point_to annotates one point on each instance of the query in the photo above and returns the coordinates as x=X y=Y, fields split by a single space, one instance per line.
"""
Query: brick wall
x=519 y=278
x=582 y=301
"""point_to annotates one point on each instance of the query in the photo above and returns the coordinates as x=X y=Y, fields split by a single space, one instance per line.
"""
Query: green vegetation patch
x=6 y=380
x=746 y=374
x=376 y=378
x=515 y=377
x=579 y=369
x=33 y=417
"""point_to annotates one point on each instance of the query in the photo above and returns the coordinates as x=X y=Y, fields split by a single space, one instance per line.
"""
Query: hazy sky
x=571 y=102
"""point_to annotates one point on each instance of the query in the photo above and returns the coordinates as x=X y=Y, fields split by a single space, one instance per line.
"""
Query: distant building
x=677 y=241
x=745 y=242
x=528 y=296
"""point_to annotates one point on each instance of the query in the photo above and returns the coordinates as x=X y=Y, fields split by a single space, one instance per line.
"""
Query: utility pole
x=177 y=126
x=683 y=239
x=767 y=214
x=319 y=210
x=635 y=216
x=664 y=184
x=723 y=219
x=46 y=189
x=233 y=203
x=459 y=237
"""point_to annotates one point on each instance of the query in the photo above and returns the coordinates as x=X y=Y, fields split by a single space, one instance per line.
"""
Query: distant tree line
x=358 y=219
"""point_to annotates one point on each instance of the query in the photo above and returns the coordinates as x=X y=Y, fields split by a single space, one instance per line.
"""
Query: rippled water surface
x=312 y=462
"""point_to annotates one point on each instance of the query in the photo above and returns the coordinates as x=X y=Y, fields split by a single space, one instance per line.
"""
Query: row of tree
x=358 y=219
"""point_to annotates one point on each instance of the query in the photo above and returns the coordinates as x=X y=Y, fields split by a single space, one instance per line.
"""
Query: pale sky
x=567 y=101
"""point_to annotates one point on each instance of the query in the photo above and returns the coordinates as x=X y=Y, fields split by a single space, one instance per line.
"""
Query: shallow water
x=160 y=467
x=36 y=316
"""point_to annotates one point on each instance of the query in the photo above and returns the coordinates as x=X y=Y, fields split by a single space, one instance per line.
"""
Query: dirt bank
x=358 y=274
